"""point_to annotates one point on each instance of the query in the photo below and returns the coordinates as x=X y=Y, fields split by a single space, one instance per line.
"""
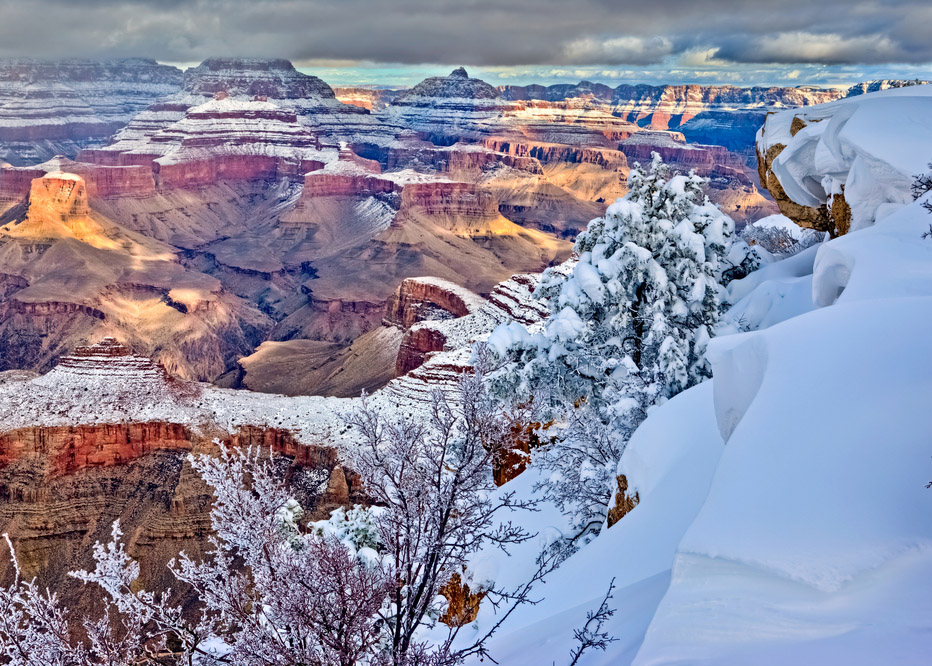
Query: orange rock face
x=548 y=153
x=416 y=298
x=62 y=487
x=464 y=201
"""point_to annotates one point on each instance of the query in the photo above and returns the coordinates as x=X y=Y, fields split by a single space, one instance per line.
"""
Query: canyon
x=244 y=204
x=232 y=255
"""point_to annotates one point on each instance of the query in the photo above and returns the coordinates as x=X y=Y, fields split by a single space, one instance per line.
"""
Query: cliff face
x=420 y=299
x=550 y=153
x=441 y=320
x=51 y=107
x=426 y=301
x=62 y=487
x=106 y=434
x=724 y=115
x=79 y=276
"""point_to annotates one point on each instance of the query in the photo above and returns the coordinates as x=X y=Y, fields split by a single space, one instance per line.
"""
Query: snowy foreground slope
x=784 y=517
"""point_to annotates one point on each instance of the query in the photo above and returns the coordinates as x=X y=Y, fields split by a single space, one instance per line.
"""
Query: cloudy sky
x=400 y=41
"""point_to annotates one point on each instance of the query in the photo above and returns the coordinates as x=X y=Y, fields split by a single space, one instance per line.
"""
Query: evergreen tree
x=629 y=324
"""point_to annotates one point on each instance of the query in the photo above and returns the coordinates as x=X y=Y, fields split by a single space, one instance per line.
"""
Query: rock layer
x=49 y=107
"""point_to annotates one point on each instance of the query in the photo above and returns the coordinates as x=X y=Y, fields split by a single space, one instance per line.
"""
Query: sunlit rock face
x=71 y=274
x=371 y=99
x=52 y=107
x=106 y=438
x=722 y=115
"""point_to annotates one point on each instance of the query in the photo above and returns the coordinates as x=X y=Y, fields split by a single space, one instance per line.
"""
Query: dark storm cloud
x=475 y=32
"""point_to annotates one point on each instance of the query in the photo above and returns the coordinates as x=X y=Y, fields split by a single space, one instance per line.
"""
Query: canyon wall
x=51 y=107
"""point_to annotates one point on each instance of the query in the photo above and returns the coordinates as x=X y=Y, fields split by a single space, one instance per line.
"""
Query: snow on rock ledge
x=841 y=166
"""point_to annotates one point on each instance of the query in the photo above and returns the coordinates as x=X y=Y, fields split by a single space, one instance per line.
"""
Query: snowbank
x=816 y=537
x=872 y=145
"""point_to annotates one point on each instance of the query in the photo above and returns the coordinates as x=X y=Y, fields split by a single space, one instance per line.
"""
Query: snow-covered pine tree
x=629 y=324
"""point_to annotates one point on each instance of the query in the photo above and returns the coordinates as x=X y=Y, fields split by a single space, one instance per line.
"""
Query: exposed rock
x=423 y=299
x=463 y=603
x=439 y=349
x=453 y=106
x=840 y=212
x=426 y=300
x=623 y=502
x=810 y=217
x=548 y=153
x=51 y=107
x=88 y=277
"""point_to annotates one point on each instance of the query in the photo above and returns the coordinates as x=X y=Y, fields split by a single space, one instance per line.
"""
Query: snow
x=784 y=516
x=781 y=222
x=872 y=145
x=673 y=456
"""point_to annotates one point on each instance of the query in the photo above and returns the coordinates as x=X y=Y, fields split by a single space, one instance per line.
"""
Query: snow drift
x=866 y=148
x=784 y=515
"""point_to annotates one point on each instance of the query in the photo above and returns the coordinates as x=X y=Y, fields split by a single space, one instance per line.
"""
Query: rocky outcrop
x=105 y=436
x=423 y=299
x=436 y=350
x=445 y=109
x=49 y=107
x=415 y=306
x=811 y=217
x=623 y=501
x=249 y=77
x=462 y=603
x=418 y=343
x=458 y=206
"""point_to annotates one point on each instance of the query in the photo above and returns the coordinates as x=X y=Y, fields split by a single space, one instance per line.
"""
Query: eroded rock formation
x=50 y=107
x=120 y=454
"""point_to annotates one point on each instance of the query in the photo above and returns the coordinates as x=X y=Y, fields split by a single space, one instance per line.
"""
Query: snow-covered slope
x=784 y=516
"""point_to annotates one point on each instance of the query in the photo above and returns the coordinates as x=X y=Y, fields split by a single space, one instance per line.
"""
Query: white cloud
x=626 y=49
